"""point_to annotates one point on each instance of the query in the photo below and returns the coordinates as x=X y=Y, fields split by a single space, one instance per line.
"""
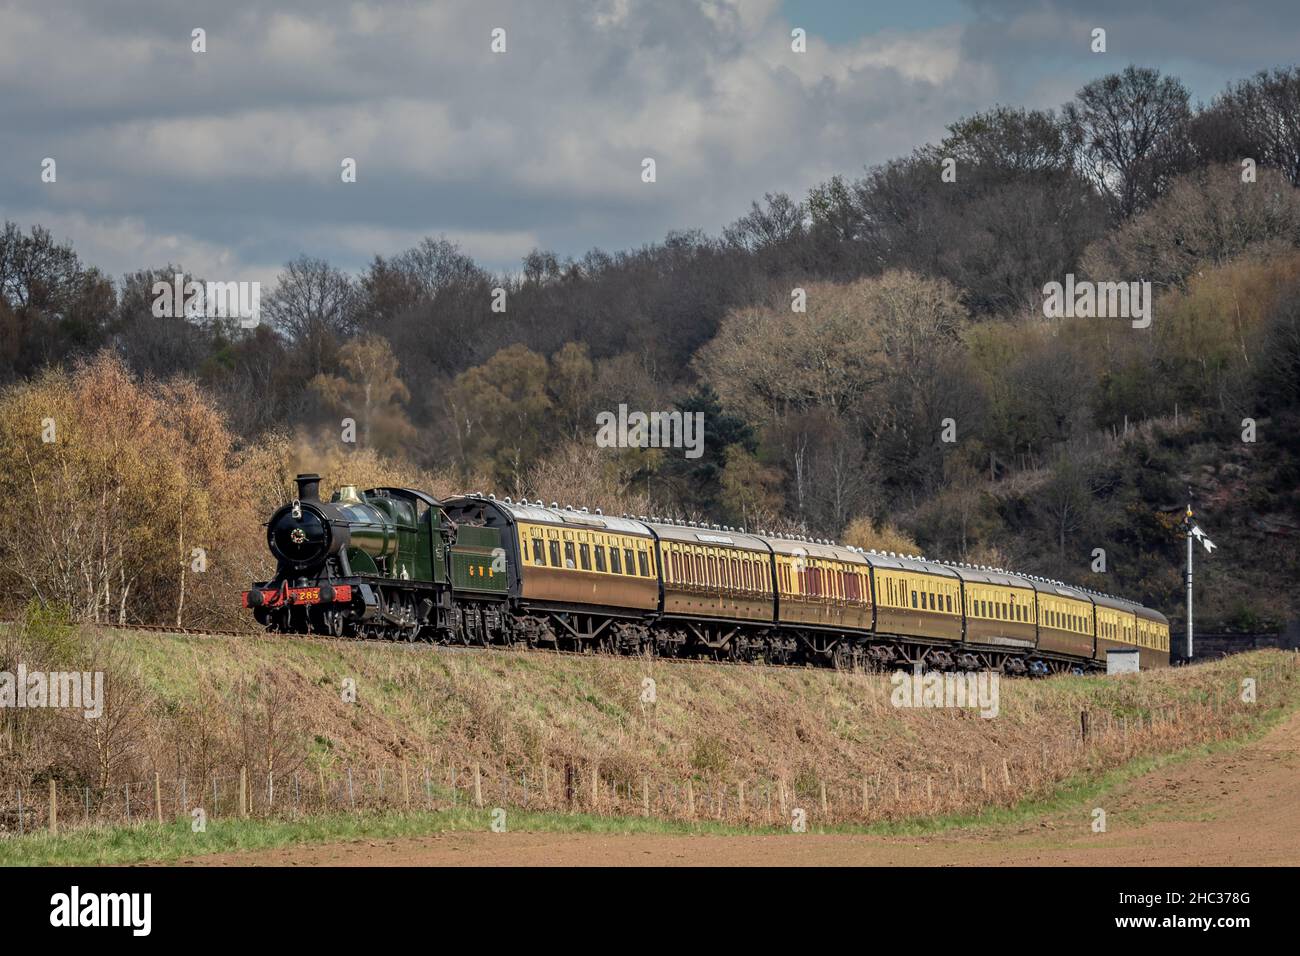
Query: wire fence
x=573 y=786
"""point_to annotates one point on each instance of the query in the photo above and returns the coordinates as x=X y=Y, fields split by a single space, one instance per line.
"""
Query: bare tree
x=314 y=305
x=1258 y=118
x=1130 y=131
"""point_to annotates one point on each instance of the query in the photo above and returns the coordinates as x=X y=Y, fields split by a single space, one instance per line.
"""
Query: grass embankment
x=788 y=735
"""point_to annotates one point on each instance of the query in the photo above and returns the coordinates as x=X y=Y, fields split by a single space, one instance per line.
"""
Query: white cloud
x=121 y=245
x=540 y=146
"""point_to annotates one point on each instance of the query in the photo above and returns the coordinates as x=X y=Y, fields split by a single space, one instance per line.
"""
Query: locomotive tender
x=396 y=563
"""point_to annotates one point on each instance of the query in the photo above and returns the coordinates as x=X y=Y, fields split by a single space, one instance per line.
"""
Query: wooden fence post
x=54 y=808
x=243 y=791
x=825 y=806
x=595 y=785
x=690 y=798
x=157 y=794
x=478 y=785
x=406 y=787
x=645 y=796
x=740 y=798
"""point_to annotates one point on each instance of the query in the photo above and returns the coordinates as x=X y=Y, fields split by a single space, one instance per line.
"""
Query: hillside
x=196 y=709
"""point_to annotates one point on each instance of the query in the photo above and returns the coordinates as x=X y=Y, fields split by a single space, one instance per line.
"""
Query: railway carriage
x=572 y=576
x=718 y=591
x=711 y=574
x=1065 y=620
x=822 y=585
x=1152 y=636
x=1000 y=607
x=916 y=598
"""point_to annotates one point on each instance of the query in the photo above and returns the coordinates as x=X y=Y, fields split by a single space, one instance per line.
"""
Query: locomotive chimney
x=308 y=487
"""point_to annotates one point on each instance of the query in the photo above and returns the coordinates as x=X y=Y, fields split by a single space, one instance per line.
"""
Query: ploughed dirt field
x=1237 y=808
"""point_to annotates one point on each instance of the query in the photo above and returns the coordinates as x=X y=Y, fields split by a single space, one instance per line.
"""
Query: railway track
x=427 y=645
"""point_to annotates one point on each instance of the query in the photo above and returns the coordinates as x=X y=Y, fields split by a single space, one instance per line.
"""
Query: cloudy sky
x=228 y=161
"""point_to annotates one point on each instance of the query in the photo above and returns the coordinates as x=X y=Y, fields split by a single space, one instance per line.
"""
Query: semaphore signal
x=1193 y=533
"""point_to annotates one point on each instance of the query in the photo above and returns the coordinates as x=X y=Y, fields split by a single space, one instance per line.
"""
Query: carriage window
x=584 y=553
x=555 y=554
x=600 y=557
x=629 y=562
x=568 y=555
x=948 y=601
x=913 y=599
x=644 y=564
x=539 y=556
x=614 y=564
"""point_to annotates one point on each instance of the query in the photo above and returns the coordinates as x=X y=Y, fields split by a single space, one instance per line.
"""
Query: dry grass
x=542 y=727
